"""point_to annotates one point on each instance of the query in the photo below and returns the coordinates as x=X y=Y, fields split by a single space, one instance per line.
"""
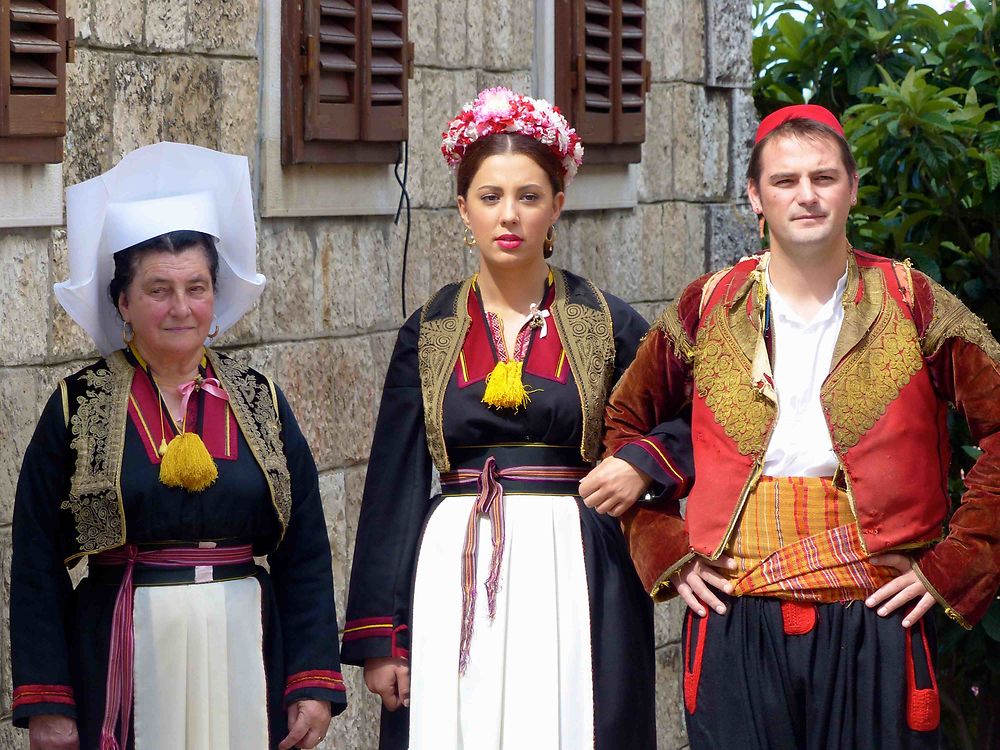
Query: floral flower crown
x=500 y=110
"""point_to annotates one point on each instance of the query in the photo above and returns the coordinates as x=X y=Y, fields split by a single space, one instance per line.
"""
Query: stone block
x=287 y=307
x=670 y=731
x=24 y=295
x=191 y=100
x=12 y=738
x=668 y=618
x=166 y=24
x=515 y=80
x=333 y=491
x=358 y=726
x=334 y=278
x=6 y=677
x=451 y=31
x=507 y=39
x=245 y=331
x=701 y=142
x=137 y=85
x=729 y=40
x=422 y=26
x=19 y=410
x=88 y=127
x=656 y=170
x=744 y=128
x=435 y=97
x=238 y=108
x=675 y=39
x=732 y=234
x=674 y=238
x=69 y=340
x=382 y=346
x=117 y=23
x=330 y=384
x=376 y=266
x=80 y=12
x=227 y=26
x=449 y=259
x=424 y=243
x=626 y=274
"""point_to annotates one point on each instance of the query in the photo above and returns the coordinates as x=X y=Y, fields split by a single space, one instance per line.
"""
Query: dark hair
x=127 y=260
x=809 y=130
x=508 y=143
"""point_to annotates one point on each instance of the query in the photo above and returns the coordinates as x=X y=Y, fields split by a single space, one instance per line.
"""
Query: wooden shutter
x=602 y=74
x=35 y=37
x=345 y=67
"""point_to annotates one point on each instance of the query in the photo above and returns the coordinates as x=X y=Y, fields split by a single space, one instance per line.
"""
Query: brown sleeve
x=963 y=360
x=655 y=389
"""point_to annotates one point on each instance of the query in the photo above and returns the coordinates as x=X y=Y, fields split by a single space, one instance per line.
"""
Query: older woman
x=169 y=466
x=528 y=625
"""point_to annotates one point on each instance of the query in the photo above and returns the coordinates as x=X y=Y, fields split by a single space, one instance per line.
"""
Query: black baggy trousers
x=770 y=675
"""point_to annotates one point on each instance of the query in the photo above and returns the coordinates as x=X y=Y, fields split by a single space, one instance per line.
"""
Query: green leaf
x=993 y=169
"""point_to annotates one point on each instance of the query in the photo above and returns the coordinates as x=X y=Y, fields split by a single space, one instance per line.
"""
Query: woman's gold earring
x=213 y=334
x=128 y=333
x=550 y=236
x=468 y=238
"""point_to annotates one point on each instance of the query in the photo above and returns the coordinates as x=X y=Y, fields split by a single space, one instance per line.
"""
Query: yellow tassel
x=187 y=463
x=504 y=387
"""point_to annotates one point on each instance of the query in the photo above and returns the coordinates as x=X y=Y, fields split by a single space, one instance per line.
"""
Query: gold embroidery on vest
x=870 y=377
x=588 y=338
x=253 y=403
x=952 y=319
x=722 y=376
x=98 y=429
x=669 y=321
x=438 y=346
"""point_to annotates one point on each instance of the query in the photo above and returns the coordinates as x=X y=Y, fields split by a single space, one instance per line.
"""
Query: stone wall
x=188 y=70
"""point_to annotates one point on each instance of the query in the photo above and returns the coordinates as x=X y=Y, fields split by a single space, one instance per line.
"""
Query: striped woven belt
x=118 y=692
x=490 y=482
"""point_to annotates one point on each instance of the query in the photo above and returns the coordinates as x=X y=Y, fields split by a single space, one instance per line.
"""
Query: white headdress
x=157 y=189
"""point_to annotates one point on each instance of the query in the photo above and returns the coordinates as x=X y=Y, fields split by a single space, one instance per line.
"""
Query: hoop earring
x=213 y=334
x=550 y=236
x=468 y=238
x=128 y=333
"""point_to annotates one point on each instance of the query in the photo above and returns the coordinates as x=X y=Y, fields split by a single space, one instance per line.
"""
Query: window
x=344 y=71
x=602 y=75
x=35 y=40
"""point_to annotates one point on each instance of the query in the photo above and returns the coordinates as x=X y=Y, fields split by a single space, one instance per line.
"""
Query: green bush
x=917 y=92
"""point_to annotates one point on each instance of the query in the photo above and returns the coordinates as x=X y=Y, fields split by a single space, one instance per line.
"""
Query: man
x=818 y=377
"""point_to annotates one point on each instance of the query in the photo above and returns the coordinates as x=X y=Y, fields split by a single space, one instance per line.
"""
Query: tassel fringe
x=505 y=389
x=187 y=463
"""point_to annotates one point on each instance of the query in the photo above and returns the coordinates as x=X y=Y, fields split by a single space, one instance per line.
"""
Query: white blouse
x=801 y=358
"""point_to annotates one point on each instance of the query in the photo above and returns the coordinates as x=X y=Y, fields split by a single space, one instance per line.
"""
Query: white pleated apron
x=529 y=682
x=199 y=667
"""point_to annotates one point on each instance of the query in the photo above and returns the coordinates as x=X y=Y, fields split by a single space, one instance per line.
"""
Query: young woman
x=519 y=604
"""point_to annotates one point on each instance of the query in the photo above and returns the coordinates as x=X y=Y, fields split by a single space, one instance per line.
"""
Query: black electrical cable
x=404 y=197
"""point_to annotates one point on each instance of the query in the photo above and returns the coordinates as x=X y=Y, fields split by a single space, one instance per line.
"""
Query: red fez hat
x=798 y=112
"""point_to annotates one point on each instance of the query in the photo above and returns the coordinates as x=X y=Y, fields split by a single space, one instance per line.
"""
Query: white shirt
x=801 y=357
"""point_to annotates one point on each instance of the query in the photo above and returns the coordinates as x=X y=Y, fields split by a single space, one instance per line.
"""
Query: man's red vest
x=887 y=426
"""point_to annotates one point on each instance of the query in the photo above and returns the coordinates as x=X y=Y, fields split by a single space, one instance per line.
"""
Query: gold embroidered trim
x=948 y=609
x=669 y=321
x=723 y=378
x=254 y=404
x=870 y=377
x=98 y=429
x=438 y=348
x=588 y=338
x=952 y=319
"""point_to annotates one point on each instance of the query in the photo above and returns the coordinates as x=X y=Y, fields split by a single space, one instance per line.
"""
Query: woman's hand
x=613 y=486
x=52 y=732
x=389 y=677
x=308 y=721
x=692 y=583
x=902 y=589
